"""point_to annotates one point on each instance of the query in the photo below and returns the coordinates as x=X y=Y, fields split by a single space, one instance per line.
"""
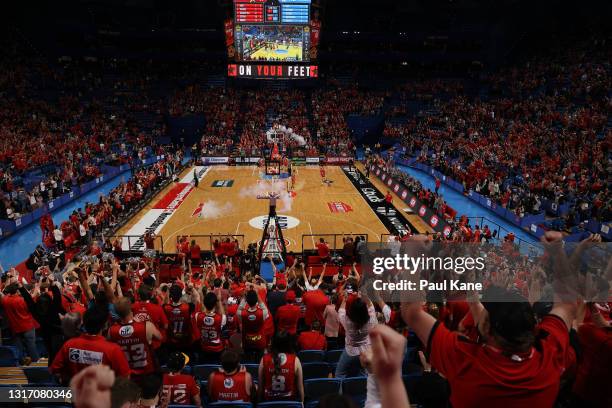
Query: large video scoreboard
x=275 y=37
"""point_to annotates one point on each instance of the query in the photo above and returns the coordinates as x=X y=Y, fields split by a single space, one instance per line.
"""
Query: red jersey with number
x=253 y=336
x=179 y=389
x=279 y=385
x=228 y=387
x=147 y=311
x=179 y=324
x=209 y=328
x=85 y=350
x=132 y=338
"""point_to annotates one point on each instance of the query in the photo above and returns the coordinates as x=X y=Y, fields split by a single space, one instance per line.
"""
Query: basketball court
x=278 y=52
x=233 y=202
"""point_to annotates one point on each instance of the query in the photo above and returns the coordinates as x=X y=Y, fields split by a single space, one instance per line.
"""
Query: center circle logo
x=285 y=221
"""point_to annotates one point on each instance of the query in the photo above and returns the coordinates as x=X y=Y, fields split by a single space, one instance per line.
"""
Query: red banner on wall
x=229 y=38
x=229 y=32
x=315 y=36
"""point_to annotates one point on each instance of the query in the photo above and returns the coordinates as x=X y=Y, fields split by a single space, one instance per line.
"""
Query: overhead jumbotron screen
x=268 y=32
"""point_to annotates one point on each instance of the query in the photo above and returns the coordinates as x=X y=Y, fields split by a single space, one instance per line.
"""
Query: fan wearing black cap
x=519 y=362
x=180 y=389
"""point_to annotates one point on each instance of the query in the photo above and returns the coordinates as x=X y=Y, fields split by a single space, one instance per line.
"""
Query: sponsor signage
x=339 y=207
x=247 y=160
x=394 y=221
x=215 y=160
x=425 y=213
x=312 y=160
x=222 y=183
x=272 y=71
x=337 y=160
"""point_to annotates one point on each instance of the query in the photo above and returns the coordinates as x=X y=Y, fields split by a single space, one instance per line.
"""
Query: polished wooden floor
x=234 y=210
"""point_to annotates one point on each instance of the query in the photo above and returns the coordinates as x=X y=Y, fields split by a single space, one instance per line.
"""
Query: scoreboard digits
x=294 y=12
x=248 y=11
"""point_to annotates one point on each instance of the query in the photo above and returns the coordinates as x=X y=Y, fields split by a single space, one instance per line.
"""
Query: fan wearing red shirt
x=288 y=315
x=312 y=339
x=209 y=325
x=179 y=334
x=315 y=301
x=145 y=310
x=195 y=252
x=231 y=383
x=519 y=364
x=252 y=313
x=179 y=389
x=20 y=320
x=591 y=385
x=323 y=250
x=231 y=327
x=135 y=339
x=90 y=348
x=280 y=371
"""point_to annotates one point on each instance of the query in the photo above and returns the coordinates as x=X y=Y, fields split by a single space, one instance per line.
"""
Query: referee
x=196 y=182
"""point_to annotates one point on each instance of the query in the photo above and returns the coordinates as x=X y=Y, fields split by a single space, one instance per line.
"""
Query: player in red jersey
x=135 y=339
x=252 y=313
x=231 y=382
x=90 y=348
x=209 y=325
x=145 y=310
x=280 y=371
x=180 y=333
x=322 y=172
x=179 y=389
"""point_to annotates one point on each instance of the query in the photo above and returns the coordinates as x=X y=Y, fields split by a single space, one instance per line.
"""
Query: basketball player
x=322 y=171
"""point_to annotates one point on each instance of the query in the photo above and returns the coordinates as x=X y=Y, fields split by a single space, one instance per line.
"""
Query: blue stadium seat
x=356 y=389
x=315 y=370
x=230 y=405
x=201 y=372
x=8 y=357
x=316 y=388
x=311 y=356
x=280 y=404
x=39 y=375
x=332 y=356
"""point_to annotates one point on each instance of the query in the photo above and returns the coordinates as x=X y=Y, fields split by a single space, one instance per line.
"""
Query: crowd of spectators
x=330 y=108
x=542 y=137
x=218 y=310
